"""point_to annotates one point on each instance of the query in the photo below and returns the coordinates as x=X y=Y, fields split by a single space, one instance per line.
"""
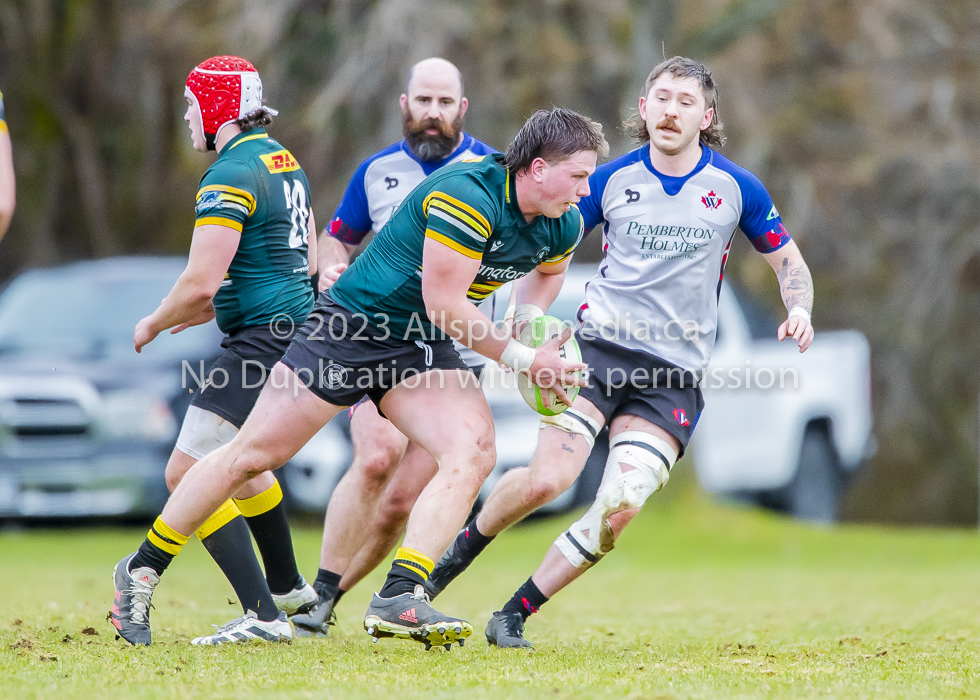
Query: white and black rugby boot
x=410 y=616
x=248 y=628
x=132 y=601
x=317 y=621
x=506 y=630
x=449 y=566
x=301 y=599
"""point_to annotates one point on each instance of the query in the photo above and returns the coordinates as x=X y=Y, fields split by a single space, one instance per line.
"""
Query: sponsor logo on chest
x=280 y=161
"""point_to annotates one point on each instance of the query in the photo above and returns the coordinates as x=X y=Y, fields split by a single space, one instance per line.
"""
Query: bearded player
x=384 y=330
x=369 y=508
x=249 y=269
x=669 y=212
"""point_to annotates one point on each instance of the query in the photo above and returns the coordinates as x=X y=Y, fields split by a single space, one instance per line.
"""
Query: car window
x=81 y=316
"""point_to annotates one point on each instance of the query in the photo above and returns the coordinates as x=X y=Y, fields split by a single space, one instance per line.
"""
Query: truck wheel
x=814 y=494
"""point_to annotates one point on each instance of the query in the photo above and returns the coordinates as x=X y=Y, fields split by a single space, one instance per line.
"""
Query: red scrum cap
x=226 y=88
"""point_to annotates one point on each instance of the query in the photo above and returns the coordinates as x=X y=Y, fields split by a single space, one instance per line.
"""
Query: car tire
x=815 y=492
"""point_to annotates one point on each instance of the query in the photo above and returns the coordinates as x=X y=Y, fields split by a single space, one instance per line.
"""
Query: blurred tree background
x=863 y=118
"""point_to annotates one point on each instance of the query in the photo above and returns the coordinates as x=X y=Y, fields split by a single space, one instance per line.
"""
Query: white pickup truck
x=781 y=428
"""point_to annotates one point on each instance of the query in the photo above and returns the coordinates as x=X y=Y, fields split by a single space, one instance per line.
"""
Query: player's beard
x=431 y=146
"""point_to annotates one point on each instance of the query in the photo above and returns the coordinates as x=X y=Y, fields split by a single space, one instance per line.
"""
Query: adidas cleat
x=301 y=599
x=449 y=566
x=249 y=628
x=409 y=616
x=506 y=630
x=317 y=621
x=131 y=605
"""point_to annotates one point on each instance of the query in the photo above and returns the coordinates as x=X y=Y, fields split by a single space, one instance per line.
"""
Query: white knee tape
x=575 y=423
x=203 y=432
x=638 y=466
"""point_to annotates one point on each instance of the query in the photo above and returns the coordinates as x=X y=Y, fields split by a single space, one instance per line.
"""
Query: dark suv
x=86 y=424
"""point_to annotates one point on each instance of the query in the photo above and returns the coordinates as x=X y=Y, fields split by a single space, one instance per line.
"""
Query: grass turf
x=700 y=600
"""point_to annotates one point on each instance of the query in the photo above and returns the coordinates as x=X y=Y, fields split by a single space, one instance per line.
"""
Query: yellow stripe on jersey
x=3 y=127
x=457 y=209
x=241 y=196
x=219 y=221
x=280 y=161
x=485 y=289
x=458 y=247
x=250 y=138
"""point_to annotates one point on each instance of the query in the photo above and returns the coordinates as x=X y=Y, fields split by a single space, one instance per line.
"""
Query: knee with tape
x=575 y=423
x=638 y=465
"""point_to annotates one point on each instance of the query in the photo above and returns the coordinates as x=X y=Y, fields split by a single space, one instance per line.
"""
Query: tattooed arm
x=796 y=288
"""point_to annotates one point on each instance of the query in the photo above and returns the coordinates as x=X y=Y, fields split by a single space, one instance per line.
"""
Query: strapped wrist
x=799 y=311
x=517 y=356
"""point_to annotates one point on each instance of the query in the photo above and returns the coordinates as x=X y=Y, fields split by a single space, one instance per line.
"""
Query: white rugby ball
x=535 y=333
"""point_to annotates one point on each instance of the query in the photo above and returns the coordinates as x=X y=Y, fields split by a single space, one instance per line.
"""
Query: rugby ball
x=535 y=333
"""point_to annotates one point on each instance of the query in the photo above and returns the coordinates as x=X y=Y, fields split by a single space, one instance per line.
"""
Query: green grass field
x=700 y=600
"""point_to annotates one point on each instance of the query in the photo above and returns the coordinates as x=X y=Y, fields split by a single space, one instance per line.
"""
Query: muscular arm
x=212 y=249
x=7 y=189
x=312 y=245
x=541 y=286
x=796 y=289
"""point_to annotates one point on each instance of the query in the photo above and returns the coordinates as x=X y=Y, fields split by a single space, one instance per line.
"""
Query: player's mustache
x=421 y=125
x=669 y=123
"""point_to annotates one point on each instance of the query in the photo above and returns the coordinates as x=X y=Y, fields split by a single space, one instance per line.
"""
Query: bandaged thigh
x=202 y=432
x=638 y=465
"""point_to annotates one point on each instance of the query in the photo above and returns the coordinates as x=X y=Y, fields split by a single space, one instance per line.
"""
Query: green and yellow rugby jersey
x=471 y=207
x=257 y=187
x=3 y=123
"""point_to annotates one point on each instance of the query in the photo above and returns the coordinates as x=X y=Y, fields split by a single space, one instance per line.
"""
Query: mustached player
x=370 y=506
x=669 y=211
x=249 y=269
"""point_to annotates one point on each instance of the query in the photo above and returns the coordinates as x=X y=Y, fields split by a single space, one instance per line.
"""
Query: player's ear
x=538 y=169
x=706 y=119
x=643 y=108
x=463 y=105
x=403 y=101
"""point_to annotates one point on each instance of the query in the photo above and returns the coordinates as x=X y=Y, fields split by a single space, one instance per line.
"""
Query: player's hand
x=550 y=371
x=797 y=328
x=330 y=275
x=205 y=316
x=144 y=334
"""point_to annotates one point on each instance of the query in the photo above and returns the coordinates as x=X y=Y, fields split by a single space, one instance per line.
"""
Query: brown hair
x=256 y=118
x=681 y=67
x=554 y=136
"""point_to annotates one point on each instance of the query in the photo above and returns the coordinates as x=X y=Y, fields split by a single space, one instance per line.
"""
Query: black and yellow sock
x=161 y=545
x=225 y=535
x=266 y=518
x=410 y=569
x=527 y=600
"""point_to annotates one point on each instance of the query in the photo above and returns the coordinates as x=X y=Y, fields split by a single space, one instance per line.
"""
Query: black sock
x=471 y=542
x=340 y=594
x=231 y=548
x=271 y=532
x=409 y=569
x=152 y=556
x=527 y=600
x=327 y=583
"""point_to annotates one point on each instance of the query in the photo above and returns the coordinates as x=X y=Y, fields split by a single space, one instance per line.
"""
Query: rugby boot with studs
x=410 y=616
x=301 y=599
x=317 y=621
x=131 y=602
x=249 y=628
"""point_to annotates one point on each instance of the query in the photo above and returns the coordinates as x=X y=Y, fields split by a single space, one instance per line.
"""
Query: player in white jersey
x=669 y=211
x=371 y=504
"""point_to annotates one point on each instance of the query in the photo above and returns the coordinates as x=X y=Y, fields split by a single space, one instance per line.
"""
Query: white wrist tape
x=799 y=311
x=527 y=313
x=517 y=356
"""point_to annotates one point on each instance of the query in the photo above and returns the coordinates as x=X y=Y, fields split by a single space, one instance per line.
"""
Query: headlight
x=134 y=415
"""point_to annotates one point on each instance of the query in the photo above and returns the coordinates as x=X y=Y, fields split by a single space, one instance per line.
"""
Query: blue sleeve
x=352 y=220
x=591 y=206
x=760 y=222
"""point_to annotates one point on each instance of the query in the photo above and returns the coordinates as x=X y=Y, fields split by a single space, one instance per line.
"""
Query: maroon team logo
x=712 y=201
x=681 y=417
x=777 y=236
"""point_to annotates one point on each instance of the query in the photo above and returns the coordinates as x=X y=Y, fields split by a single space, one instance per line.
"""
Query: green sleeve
x=570 y=235
x=226 y=196
x=460 y=214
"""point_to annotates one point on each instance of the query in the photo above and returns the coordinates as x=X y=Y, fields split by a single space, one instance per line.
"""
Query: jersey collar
x=672 y=185
x=249 y=135
x=430 y=166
